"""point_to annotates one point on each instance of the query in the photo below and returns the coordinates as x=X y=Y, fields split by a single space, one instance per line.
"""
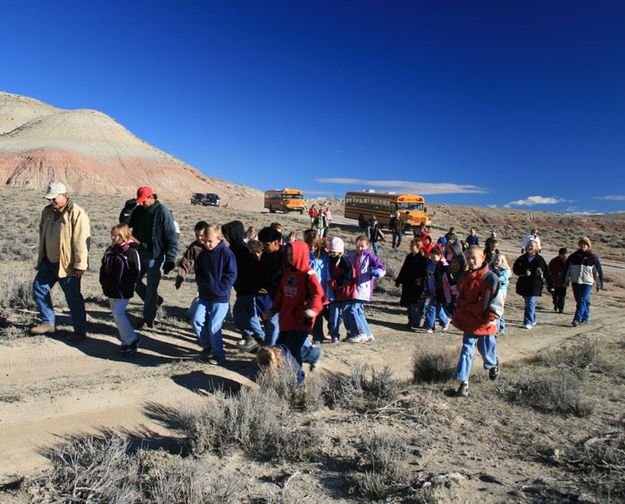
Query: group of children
x=285 y=290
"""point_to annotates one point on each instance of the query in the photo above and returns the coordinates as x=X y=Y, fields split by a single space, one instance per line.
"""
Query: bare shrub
x=365 y=388
x=255 y=420
x=386 y=470
x=16 y=293
x=431 y=365
x=580 y=356
x=283 y=381
x=92 y=469
x=559 y=394
x=171 y=479
x=11 y=332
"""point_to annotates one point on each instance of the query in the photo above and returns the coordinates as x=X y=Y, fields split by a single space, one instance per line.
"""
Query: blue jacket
x=215 y=273
x=321 y=267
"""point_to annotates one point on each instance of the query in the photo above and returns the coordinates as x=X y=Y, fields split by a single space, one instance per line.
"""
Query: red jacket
x=299 y=290
x=479 y=302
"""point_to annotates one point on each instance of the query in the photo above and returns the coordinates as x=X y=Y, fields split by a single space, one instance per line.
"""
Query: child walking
x=215 y=274
x=343 y=286
x=298 y=299
x=368 y=267
x=434 y=291
x=119 y=273
x=557 y=268
x=479 y=305
x=411 y=278
x=501 y=268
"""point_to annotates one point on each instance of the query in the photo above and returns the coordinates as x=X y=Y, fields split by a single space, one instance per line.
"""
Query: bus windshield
x=292 y=196
x=410 y=206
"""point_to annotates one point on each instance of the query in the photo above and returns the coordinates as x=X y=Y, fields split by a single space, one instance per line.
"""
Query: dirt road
x=49 y=389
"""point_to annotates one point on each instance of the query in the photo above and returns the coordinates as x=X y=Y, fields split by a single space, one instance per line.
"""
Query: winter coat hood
x=233 y=232
x=301 y=255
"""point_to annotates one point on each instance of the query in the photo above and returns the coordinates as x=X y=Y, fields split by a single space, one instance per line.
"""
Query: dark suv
x=205 y=199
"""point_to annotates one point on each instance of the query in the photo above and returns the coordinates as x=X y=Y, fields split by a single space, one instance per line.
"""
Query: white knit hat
x=337 y=245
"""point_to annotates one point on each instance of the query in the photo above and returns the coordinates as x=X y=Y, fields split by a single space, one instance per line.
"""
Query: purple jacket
x=367 y=267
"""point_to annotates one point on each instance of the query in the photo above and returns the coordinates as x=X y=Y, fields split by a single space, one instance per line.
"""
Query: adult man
x=396 y=225
x=153 y=226
x=63 y=255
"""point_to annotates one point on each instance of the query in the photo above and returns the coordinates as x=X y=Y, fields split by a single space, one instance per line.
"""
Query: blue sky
x=517 y=104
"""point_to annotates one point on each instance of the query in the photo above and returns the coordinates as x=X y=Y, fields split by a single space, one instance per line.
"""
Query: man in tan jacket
x=63 y=255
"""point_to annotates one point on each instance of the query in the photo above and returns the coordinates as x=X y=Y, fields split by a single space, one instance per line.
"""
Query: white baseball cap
x=54 y=189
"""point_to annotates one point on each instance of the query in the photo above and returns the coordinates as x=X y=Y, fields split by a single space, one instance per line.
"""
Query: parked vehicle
x=384 y=205
x=205 y=199
x=285 y=200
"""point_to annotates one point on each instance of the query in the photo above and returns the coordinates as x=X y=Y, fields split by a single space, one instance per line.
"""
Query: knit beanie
x=337 y=245
x=585 y=240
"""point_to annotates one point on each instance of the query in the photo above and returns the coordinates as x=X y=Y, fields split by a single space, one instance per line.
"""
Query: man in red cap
x=153 y=226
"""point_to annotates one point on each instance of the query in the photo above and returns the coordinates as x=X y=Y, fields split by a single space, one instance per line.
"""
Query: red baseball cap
x=143 y=193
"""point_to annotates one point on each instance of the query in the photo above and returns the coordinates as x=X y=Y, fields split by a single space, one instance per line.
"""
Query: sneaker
x=575 y=323
x=370 y=339
x=205 y=354
x=313 y=366
x=585 y=322
x=561 y=311
x=243 y=341
x=528 y=326
x=336 y=340
x=493 y=373
x=327 y=337
x=43 y=329
x=361 y=338
x=76 y=337
x=430 y=331
x=445 y=327
x=216 y=362
x=463 y=390
x=128 y=350
x=250 y=345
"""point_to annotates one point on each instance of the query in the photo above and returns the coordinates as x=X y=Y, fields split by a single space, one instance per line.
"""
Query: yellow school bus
x=384 y=205
x=285 y=200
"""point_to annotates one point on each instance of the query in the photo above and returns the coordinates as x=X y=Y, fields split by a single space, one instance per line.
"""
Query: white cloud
x=491 y=206
x=535 y=200
x=319 y=193
x=405 y=185
x=611 y=197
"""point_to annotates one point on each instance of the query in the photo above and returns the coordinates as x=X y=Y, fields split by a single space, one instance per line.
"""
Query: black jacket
x=270 y=270
x=248 y=268
x=531 y=285
x=120 y=271
x=412 y=279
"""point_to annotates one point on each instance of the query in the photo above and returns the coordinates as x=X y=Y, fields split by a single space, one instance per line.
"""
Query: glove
x=178 y=282
x=375 y=273
x=169 y=265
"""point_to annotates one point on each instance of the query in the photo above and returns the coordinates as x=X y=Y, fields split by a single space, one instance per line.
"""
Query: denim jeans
x=529 y=315
x=435 y=309
x=272 y=329
x=337 y=314
x=501 y=325
x=246 y=319
x=294 y=341
x=397 y=236
x=581 y=293
x=47 y=276
x=310 y=353
x=317 y=330
x=486 y=345
x=208 y=319
x=148 y=292
x=127 y=334
x=376 y=249
x=356 y=319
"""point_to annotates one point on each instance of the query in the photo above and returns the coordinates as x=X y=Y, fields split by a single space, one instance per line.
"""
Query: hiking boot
x=250 y=345
x=76 y=337
x=493 y=373
x=142 y=323
x=43 y=329
x=129 y=350
x=575 y=323
x=463 y=390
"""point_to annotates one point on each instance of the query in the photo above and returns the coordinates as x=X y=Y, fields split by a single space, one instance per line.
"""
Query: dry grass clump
x=364 y=389
x=16 y=293
x=172 y=479
x=308 y=397
x=384 y=459
x=559 y=394
x=93 y=469
x=430 y=365
x=257 y=421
